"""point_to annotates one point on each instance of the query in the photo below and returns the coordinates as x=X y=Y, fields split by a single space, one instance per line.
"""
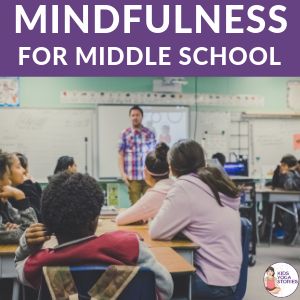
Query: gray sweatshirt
x=23 y=216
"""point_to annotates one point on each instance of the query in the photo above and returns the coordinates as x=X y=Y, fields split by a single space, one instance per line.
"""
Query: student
x=286 y=175
x=204 y=208
x=65 y=163
x=71 y=205
x=270 y=281
x=22 y=185
x=156 y=174
x=12 y=221
x=29 y=187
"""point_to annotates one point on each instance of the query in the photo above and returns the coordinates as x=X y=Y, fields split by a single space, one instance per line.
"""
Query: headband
x=155 y=174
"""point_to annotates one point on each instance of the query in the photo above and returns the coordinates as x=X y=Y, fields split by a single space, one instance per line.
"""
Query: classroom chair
x=242 y=284
x=142 y=286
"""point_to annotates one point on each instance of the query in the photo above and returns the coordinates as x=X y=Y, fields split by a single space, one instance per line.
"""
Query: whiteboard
x=213 y=132
x=112 y=119
x=273 y=138
x=43 y=135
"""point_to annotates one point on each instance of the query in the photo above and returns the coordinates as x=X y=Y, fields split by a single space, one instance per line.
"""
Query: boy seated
x=71 y=205
x=287 y=175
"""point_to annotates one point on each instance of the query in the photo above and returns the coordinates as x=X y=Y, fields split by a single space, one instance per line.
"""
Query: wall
x=45 y=92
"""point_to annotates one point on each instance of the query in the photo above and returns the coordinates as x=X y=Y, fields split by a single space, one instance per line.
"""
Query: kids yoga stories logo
x=281 y=280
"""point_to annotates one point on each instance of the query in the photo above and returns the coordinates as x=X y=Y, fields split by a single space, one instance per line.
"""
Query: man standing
x=135 y=143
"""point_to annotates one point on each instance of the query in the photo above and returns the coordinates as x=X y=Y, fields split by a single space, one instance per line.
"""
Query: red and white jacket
x=117 y=248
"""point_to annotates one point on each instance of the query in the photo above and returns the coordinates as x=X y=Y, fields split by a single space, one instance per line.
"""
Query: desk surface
x=269 y=190
x=108 y=225
x=173 y=262
x=8 y=249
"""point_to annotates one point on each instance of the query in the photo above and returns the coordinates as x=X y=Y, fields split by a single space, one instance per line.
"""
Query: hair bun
x=161 y=151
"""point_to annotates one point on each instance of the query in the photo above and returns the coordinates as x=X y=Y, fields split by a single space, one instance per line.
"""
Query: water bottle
x=262 y=180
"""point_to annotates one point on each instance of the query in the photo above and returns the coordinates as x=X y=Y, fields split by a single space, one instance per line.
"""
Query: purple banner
x=150 y=38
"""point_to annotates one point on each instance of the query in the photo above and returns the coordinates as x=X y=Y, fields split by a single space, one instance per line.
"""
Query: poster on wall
x=9 y=91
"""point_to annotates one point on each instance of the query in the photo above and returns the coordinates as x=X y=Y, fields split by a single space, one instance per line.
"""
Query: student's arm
x=12 y=192
x=10 y=236
x=22 y=213
x=292 y=181
x=173 y=216
x=163 y=279
x=30 y=242
x=141 y=210
x=23 y=217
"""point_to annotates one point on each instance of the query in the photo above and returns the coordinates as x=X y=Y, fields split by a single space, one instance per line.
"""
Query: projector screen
x=169 y=123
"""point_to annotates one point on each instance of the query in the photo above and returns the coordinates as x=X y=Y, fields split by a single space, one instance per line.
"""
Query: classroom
x=253 y=121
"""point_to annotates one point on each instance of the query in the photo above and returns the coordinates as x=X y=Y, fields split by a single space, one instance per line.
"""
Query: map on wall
x=9 y=91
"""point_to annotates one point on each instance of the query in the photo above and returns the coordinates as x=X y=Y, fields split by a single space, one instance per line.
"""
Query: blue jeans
x=201 y=290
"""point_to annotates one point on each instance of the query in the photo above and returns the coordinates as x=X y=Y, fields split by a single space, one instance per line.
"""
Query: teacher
x=135 y=142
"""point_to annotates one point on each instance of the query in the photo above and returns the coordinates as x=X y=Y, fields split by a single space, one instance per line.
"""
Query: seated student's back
x=71 y=204
x=156 y=174
x=203 y=205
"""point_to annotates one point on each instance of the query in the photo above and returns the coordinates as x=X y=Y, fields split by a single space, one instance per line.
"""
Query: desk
x=277 y=197
x=7 y=267
x=183 y=247
x=173 y=262
x=179 y=268
x=179 y=263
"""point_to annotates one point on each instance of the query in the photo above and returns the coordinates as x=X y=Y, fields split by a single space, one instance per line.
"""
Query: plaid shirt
x=135 y=144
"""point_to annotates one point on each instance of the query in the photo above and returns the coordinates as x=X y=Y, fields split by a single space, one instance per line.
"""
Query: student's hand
x=11 y=226
x=36 y=234
x=11 y=192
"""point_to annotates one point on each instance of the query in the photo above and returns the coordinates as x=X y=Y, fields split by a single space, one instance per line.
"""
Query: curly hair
x=70 y=203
